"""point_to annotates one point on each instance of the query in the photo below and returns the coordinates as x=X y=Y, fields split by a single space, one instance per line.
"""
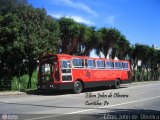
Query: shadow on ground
x=63 y=92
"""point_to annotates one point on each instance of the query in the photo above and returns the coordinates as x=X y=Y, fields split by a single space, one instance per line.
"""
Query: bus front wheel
x=116 y=84
x=78 y=87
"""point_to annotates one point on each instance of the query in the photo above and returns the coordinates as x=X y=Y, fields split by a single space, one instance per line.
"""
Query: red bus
x=62 y=71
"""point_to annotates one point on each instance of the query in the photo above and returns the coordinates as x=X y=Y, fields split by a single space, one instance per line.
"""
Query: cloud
x=110 y=20
x=82 y=20
x=78 y=19
x=77 y=5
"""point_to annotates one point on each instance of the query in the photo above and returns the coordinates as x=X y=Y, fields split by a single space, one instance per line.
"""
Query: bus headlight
x=51 y=86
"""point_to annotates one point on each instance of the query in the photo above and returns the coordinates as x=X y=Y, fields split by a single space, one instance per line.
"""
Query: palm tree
x=121 y=48
x=91 y=40
x=108 y=38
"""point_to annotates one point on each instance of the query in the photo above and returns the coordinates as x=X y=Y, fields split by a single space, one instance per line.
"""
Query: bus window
x=66 y=66
x=90 y=64
x=125 y=65
x=66 y=70
x=78 y=63
x=118 y=65
x=100 y=64
x=109 y=65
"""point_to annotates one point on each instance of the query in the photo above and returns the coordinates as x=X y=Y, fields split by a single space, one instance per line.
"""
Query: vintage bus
x=62 y=71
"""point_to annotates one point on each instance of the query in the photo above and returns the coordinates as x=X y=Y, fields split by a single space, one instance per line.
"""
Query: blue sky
x=138 y=20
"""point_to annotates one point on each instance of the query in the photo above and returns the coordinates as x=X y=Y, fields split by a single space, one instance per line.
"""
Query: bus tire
x=116 y=84
x=78 y=87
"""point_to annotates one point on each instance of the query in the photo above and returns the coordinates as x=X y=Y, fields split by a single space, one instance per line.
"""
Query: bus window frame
x=91 y=67
x=118 y=68
x=127 y=67
x=78 y=67
x=62 y=74
x=65 y=60
x=102 y=68
x=110 y=68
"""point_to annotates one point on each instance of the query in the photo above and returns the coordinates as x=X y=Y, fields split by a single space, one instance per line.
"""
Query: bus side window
x=65 y=66
x=109 y=65
x=78 y=63
x=103 y=65
x=125 y=65
x=112 y=65
x=118 y=65
x=100 y=64
x=90 y=64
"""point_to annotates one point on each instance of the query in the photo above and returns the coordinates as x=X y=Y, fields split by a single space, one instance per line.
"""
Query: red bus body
x=61 y=71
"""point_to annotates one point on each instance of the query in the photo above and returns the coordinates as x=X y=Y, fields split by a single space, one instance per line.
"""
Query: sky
x=138 y=20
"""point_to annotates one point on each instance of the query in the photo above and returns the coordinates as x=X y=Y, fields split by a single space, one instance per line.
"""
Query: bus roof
x=82 y=57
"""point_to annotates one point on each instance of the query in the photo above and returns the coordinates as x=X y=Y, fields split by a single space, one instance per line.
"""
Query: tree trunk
x=30 y=72
x=29 y=85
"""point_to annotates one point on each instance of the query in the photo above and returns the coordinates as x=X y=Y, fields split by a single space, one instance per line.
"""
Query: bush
x=21 y=84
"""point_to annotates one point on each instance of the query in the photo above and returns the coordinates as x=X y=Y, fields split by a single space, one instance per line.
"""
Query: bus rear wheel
x=116 y=84
x=78 y=87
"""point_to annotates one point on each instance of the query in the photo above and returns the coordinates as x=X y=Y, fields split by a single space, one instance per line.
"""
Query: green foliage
x=149 y=68
x=108 y=37
x=69 y=32
x=91 y=40
x=76 y=38
x=122 y=48
x=25 y=34
x=21 y=83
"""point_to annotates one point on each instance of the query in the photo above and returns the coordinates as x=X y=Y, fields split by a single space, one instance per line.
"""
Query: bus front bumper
x=62 y=86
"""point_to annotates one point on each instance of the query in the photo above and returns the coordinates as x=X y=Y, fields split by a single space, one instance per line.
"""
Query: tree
x=40 y=34
x=76 y=38
x=108 y=37
x=121 y=48
x=90 y=41
x=26 y=33
x=69 y=30
x=149 y=62
x=11 y=47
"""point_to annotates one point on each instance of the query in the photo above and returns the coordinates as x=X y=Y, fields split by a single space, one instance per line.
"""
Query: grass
x=21 y=84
